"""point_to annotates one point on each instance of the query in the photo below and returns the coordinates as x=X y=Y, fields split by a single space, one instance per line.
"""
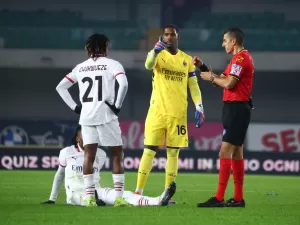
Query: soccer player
x=98 y=114
x=237 y=80
x=70 y=170
x=173 y=73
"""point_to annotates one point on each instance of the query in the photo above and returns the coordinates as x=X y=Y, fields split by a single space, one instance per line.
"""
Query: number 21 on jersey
x=91 y=82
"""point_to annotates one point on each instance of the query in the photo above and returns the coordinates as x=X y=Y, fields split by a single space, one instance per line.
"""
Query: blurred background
x=41 y=42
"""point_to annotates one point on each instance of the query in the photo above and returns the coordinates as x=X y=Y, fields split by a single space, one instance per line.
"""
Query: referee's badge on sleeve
x=236 y=69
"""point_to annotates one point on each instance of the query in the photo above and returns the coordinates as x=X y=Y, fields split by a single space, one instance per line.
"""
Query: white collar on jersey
x=79 y=149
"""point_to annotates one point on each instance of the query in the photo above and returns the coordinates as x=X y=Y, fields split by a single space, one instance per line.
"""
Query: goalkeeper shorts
x=163 y=130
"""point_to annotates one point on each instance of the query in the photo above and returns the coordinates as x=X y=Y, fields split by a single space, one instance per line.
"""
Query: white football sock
x=89 y=185
x=139 y=200
x=119 y=180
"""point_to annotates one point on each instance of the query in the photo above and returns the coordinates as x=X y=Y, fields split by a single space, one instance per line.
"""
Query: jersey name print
x=92 y=68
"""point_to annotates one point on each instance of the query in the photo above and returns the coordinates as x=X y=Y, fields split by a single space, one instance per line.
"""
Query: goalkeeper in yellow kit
x=173 y=72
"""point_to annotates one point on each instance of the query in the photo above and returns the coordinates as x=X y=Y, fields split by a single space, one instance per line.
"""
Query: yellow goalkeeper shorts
x=163 y=130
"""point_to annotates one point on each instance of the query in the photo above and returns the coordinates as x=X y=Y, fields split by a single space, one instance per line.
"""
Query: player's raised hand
x=49 y=202
x=199 y=115
x=197 y=61
x=160 y=45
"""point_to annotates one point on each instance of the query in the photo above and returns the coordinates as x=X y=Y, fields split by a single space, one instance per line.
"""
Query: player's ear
x=233 y=41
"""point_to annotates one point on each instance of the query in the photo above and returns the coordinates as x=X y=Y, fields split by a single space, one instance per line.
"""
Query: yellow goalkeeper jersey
x=170 y=82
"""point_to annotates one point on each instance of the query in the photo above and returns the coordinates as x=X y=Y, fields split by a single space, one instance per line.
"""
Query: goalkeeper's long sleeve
x=151 y=60
x=57 y=182
x=195 y=90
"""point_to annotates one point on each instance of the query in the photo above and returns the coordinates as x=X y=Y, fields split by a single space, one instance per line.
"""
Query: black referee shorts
x=236 y=119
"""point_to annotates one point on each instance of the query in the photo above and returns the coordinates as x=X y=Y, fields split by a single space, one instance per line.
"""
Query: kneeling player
x=70 y=169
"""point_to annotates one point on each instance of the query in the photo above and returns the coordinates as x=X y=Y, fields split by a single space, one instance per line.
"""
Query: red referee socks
x=224 y=174
x=238 y=177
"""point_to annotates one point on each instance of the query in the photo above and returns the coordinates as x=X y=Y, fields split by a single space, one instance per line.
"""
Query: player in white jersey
x=98 y=111
x=70 y=169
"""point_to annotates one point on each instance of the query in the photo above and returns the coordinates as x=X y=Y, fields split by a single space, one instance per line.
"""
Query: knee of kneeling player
x=173 y=152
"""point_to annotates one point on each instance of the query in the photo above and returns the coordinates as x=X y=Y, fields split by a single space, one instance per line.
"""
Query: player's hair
x=236 y=33
x=96 y=45
x=170 y=26
x=78 y=129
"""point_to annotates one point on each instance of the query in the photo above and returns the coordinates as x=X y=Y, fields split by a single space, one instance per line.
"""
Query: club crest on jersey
x=184 y=63
x=239 y=59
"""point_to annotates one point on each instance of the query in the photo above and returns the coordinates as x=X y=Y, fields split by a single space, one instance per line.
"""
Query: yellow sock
x=171 y=166
x=144 y=169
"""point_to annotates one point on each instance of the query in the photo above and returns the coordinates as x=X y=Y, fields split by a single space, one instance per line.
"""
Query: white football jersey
x=96 y=80
x=71 y=158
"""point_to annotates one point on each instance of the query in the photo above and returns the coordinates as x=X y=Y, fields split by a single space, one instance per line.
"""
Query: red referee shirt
x=242 y=68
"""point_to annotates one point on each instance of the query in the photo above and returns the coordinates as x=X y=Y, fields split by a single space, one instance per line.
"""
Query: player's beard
x=172 y=48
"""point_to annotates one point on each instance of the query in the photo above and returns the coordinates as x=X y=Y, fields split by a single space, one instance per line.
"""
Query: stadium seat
x=65 y=29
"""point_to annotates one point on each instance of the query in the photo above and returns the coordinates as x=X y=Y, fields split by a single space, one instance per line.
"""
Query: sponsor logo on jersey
x=173 y=75
x=235 y=69
x=79 y=169
x=173 y=72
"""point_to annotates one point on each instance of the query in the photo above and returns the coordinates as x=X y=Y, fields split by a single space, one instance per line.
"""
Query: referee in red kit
x=237 y=80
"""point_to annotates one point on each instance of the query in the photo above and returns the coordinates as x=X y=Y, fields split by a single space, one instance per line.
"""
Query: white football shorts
x=108 y=134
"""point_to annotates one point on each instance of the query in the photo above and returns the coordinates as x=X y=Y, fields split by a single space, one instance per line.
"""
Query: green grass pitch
x=21 y=192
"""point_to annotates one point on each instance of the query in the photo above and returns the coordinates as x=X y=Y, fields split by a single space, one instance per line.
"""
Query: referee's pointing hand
x=197 y=61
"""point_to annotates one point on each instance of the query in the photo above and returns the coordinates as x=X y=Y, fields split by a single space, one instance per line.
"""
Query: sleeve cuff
x=234 y=76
